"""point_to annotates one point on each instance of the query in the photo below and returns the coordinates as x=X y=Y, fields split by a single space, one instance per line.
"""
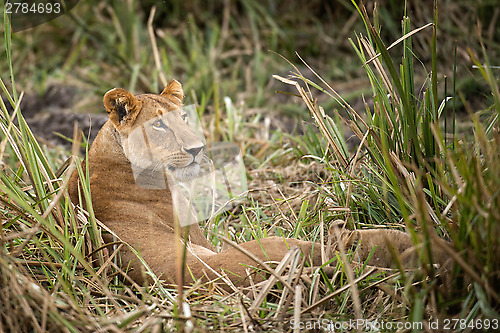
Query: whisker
x=158 y=165
x=206 y=159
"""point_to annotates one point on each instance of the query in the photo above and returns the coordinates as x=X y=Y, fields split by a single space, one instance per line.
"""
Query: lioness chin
x=143 y=216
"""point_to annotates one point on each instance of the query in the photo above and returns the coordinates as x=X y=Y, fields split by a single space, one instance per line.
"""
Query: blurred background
x=230 y=49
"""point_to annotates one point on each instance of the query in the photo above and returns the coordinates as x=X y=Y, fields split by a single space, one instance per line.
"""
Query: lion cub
x=144 y=217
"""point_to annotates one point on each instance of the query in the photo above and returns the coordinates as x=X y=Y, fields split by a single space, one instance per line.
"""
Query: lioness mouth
x=172 y=168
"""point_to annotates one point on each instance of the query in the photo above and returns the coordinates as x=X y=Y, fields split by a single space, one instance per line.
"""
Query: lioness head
x=154 y=131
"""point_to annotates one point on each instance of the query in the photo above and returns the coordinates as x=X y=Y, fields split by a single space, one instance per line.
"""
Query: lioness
x=144 y=218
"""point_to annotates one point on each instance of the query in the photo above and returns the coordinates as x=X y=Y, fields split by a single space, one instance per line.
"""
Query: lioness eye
x=185 y=117
x=159 y=124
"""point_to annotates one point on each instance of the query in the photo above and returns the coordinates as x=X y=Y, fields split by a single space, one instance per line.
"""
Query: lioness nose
x=194 y=151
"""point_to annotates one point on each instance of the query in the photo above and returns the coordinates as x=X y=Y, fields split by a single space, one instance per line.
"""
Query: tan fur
x=144 y=218
x=389 y=247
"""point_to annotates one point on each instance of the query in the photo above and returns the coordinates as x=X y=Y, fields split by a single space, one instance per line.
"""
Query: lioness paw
x=379 y=247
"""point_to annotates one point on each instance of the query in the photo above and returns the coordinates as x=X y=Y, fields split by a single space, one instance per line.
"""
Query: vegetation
x=414 y=166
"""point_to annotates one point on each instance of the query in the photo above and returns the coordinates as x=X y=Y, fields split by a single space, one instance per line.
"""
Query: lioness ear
x=121 y=105
x=173 y=91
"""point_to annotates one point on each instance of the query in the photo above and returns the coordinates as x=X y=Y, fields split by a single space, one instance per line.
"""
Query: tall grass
x=433 y=190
